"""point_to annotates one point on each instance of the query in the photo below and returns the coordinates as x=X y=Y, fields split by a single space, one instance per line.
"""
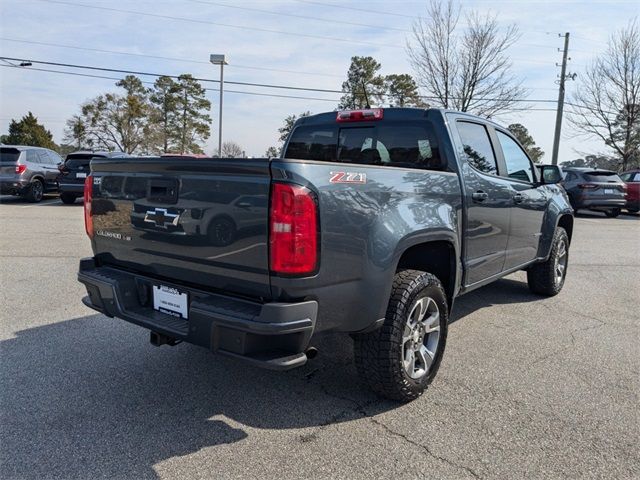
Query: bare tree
x=466 y=70
x=231 y=149
x=607 y=102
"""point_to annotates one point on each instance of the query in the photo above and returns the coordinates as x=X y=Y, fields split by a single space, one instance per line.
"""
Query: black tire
x=543 y=277
x=633 y=210
x=380 y=355
x=68 y=198
x=612 y=213
x=35 y=191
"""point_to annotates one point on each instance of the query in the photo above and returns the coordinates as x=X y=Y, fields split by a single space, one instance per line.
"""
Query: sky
x=300 y=43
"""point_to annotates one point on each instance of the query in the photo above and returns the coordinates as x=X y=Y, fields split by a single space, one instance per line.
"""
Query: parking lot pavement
x=529 y=387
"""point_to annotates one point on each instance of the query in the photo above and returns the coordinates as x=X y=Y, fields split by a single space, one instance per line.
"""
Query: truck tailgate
x=198 y=221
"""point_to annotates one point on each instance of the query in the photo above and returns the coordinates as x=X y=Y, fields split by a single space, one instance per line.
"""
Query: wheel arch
x=566 y=221
x=436 y=256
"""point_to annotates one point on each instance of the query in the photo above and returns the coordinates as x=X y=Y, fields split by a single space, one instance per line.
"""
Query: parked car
x=75 y=169
x=594 y=189
x=28 y=172
x=371 y=224
x=632 y=180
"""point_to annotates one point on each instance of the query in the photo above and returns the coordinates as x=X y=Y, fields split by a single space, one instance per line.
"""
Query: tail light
x=88 y=198
x=587 y=186
x=293 y=230
x=360 y=115
x=20 y=169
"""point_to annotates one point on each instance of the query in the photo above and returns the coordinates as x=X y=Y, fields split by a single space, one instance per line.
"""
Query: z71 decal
x=348 y=177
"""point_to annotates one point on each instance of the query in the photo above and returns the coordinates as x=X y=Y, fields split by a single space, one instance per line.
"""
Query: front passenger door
x=528 y=203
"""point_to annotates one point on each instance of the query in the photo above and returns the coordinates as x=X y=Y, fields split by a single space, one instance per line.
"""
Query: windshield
x=9 y=156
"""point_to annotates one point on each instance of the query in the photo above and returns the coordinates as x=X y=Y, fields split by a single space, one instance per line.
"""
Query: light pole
x=218 y=59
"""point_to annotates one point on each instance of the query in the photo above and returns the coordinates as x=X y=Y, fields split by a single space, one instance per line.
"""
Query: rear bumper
x=270 y=335
x=75 y=188
x=13 y=187
x=597 y=203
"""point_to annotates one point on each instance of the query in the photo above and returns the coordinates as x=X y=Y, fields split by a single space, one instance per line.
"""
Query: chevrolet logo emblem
x=161 y=218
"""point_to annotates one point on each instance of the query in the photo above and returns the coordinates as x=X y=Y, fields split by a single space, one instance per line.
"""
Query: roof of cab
x=392 y=113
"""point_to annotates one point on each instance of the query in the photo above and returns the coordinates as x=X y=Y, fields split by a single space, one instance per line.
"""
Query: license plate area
x=81 y=175
x=170 y=301
x=608 y=191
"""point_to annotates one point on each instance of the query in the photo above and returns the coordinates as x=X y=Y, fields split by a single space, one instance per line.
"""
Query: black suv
x=74 y=171
x=27 y=171
x=594 y=189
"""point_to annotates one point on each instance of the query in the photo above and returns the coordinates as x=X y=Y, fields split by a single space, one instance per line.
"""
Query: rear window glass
x=400 y=145
x=610 y=177
x=76 y=163
x=80 y=160
x=9 y=156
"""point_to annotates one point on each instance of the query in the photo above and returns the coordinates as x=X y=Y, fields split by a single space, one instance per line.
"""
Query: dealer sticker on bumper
x=171 y=301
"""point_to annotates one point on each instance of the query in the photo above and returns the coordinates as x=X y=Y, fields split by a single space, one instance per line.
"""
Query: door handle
x=518 y=197
x=479 y=196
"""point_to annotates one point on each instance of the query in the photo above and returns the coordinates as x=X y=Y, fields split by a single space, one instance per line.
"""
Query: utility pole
x=556 y=137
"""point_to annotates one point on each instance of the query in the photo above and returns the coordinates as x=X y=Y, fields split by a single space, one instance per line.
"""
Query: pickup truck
x=371 y=223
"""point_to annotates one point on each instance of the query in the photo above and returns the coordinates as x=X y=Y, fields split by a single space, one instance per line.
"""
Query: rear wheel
x=547 y=278
x=35 y=191
x=401 y=358
x=68 y=198
x=612 y=213
x=633 y=210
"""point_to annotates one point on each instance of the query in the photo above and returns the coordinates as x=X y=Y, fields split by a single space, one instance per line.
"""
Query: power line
x=150 y=74
x=151 y=83
x=293 y=15
x=160 y=57
x=261 y=85
x=226 y=25
x=332 y=100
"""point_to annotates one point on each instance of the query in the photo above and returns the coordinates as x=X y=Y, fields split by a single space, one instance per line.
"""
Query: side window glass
x=44 y=158
x=637 y=177
x=518 y=164
x=54 y=158
x=477 y=147
x=32 y=156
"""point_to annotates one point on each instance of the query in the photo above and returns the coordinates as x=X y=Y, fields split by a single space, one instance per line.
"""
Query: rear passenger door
x=528 y=201
x=49 y=168
x=487 y=199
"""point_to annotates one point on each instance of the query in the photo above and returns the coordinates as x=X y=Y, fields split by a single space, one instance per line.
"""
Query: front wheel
x=612 y=213
x=401 y=358
x=547 y=278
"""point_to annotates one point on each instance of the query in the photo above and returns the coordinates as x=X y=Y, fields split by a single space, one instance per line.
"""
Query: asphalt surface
x=529 y=387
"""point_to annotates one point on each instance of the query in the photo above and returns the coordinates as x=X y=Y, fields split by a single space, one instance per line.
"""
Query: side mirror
x=549 y=174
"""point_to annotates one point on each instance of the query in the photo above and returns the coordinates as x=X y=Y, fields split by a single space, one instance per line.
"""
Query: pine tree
x=28 y=131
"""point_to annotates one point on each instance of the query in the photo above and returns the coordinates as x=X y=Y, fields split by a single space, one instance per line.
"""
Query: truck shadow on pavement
x=89 y=397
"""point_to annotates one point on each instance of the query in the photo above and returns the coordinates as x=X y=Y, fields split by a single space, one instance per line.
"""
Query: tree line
x=171 y=116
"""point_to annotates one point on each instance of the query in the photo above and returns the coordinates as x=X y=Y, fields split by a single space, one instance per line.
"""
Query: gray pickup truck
x=371 y=223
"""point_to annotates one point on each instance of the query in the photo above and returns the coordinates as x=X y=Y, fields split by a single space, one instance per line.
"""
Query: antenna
x=364 y=89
